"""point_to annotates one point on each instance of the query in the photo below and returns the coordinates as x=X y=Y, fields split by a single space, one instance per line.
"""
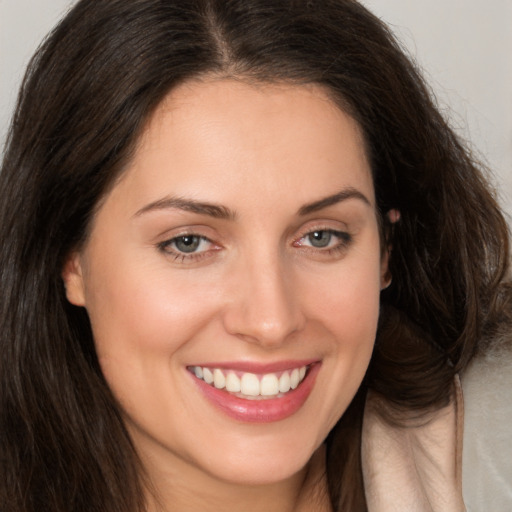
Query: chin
x=263 y=466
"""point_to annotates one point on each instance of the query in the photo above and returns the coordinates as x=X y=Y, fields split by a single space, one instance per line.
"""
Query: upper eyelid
x=342 y=235
x=170 y=234
x=213 y=236
x=325 y=225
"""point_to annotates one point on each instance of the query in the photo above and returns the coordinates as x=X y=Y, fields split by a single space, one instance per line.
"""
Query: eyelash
x=344 y=241
x=169 y=246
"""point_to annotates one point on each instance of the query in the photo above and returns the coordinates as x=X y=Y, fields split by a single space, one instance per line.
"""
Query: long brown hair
x=87 y=94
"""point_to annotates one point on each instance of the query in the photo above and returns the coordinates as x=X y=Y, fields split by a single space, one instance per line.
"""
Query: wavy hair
x=88 y=93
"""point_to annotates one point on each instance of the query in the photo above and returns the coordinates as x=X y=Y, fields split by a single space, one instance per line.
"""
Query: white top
x=487 y=454
x=425 y=468
x=416 y=468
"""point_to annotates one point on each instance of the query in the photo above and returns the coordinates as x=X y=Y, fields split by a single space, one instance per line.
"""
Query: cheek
x=347 y=306
x=141 y=316
x=355 y=323
x=141 y=320
x=347 y=299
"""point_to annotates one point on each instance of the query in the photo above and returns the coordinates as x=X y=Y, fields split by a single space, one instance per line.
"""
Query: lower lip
x=263 y=410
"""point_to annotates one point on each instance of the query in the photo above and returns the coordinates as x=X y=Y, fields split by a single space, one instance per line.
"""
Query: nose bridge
x=264 y=308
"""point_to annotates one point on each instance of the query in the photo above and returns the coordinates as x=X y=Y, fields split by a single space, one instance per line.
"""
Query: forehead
x=270 y=138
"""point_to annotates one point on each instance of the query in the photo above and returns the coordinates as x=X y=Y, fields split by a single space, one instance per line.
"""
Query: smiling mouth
x=251 y=386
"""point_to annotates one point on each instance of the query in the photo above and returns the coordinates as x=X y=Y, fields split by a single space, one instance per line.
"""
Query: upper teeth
x=250 y=384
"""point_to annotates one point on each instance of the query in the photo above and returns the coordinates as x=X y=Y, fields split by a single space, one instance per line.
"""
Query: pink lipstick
x=255 y=393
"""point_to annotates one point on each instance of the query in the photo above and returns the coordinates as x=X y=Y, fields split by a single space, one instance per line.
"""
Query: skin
x=257 y=289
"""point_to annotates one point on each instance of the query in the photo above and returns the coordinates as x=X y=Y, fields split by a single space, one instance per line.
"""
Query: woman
x=227 y=227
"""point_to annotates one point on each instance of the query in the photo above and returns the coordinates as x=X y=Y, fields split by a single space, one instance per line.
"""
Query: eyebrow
x=222 y=212
x=343 y=195
x=189 y=205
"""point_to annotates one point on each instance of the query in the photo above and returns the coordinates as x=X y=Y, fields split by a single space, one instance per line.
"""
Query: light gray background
x=464 y=47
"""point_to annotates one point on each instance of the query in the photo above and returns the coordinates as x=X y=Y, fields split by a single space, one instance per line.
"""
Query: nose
x=264 y=305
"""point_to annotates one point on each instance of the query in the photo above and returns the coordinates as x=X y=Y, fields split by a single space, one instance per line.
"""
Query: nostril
x=268 y=327
x=263 y=303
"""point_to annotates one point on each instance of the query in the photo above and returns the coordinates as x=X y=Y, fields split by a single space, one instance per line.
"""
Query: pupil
x=320 y=238
x=187 y=243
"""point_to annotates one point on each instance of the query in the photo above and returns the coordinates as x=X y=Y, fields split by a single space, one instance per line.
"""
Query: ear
x=392 y=217
x=385 y=274
x=72 y=275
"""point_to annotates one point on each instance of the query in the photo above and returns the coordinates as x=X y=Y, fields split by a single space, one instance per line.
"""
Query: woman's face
x=240 y=245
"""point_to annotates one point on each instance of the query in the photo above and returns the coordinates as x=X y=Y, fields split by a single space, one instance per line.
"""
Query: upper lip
x=258 y=367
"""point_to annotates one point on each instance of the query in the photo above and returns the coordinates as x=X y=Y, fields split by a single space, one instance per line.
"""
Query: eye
x=186 y=246
x=324 y=239
x=188 y=243
x=320 y=239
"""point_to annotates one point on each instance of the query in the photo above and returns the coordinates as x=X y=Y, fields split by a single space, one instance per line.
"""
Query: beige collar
x=416 y=468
